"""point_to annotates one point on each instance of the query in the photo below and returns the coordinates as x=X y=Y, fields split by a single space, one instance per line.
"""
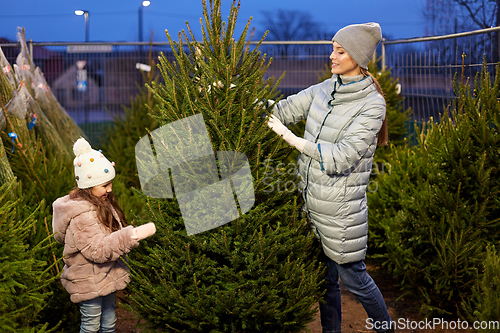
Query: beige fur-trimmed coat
x=92 y=254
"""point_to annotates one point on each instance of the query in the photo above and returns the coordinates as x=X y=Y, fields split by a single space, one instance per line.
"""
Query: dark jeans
x=355 y=278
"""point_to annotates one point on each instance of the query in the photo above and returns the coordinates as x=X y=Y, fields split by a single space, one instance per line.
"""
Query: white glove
x=275 y=124
x=144 y=231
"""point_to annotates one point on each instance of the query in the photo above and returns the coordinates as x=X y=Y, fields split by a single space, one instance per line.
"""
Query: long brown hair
x=383 y=134
x=103 y=207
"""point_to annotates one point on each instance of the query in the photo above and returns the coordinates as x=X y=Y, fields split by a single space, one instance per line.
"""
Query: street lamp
x=80 y=12
x=145 y=3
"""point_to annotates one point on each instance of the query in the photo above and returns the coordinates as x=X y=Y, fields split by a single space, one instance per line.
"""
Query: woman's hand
x=275 y=124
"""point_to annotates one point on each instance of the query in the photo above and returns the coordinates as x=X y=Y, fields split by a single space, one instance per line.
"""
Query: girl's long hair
x=383 y=134
x=103 y=207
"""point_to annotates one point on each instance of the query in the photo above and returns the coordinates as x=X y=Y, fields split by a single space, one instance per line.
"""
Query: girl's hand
x=144 y=231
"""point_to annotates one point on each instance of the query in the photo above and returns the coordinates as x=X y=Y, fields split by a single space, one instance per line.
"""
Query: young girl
x=91 y=226
x=345 y=120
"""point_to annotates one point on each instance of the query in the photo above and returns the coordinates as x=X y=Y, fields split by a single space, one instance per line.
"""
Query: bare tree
x=288 y=25
x=484 y=14
x=291 y=25
x=449 y=16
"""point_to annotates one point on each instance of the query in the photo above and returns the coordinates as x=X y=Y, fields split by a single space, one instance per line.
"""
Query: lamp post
x=85 y=13
x=145 y=3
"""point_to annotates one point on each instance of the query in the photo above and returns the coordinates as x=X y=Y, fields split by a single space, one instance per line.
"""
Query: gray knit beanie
x=360 y=41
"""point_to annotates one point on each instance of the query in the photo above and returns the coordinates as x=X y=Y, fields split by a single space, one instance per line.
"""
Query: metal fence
x=427 y=67
x=95 y=81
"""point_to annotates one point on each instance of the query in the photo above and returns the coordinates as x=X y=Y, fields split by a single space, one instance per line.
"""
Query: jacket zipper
x=304 y=192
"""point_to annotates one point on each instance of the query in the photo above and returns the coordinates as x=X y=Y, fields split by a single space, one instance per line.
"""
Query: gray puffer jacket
x=343 y=120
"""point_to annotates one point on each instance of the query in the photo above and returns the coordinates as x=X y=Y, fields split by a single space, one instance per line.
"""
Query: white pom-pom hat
x=92 y=168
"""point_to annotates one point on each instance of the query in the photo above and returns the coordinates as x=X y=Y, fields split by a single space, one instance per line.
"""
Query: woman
x=345 y=121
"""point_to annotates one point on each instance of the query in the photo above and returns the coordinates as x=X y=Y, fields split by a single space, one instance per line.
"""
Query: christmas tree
x=119 y=144
x=437 y=210
x=483 y=305
x=259 y=272
x=24 y=278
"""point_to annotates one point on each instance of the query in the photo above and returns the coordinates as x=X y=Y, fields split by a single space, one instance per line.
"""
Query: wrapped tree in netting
x=258 y=272
x=28 y=121
x=6 y=174
x=48 y=108
x=30 y=138
x=7 y=87
x=36 y=160
x=24 y=67
x=8 y=81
